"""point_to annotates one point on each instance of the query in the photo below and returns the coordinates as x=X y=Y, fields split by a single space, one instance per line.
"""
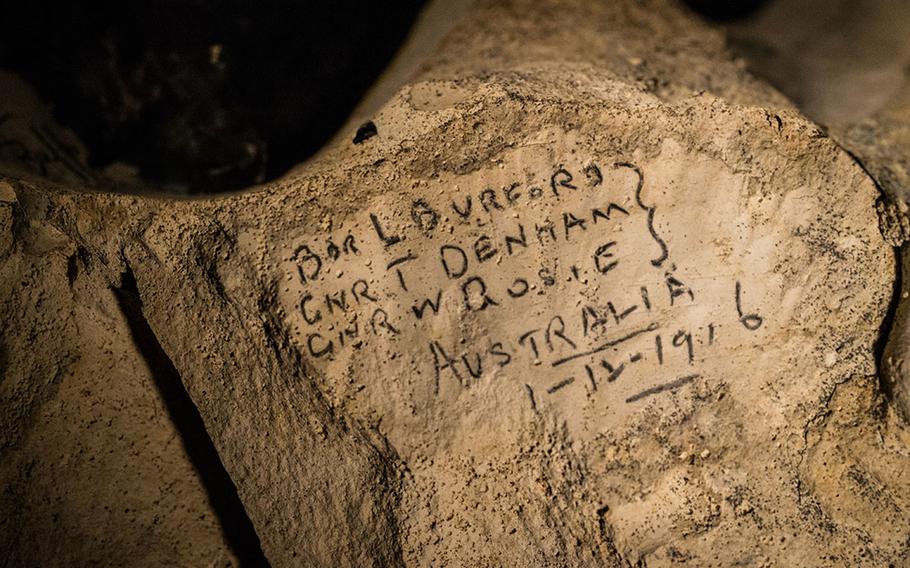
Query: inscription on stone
x=561 y=283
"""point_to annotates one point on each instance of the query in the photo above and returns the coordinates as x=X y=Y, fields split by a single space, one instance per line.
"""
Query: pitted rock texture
x=93 y=470
x=829 y=57
x=591 y=295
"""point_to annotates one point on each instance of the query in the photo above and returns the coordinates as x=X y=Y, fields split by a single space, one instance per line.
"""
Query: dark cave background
x=207 y=96
x=202 y=95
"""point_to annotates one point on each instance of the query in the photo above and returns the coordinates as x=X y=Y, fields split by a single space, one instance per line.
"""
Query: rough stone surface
x=828 y=57
x=92 y=470
x=591 y=295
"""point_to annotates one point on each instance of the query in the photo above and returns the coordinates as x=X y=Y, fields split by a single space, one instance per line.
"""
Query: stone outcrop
x=584 y=292
x=829 y=57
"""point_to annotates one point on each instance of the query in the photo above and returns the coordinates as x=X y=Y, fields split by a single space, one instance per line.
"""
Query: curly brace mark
x=641 y=182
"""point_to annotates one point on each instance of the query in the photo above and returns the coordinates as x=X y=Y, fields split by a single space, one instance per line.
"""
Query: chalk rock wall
x=93 y=471
x=591 y=295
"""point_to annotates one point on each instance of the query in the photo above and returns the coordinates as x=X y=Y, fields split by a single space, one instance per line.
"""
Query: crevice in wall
x=887 y=324
x=885 y=329
x=222 y=493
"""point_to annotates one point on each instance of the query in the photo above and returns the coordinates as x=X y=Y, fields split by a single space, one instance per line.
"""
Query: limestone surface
x=591 y=295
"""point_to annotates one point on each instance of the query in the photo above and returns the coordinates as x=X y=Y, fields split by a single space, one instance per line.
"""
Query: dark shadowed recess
x=222 y=493
x=202 y=95
x=207 y=96
x=725 y=10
